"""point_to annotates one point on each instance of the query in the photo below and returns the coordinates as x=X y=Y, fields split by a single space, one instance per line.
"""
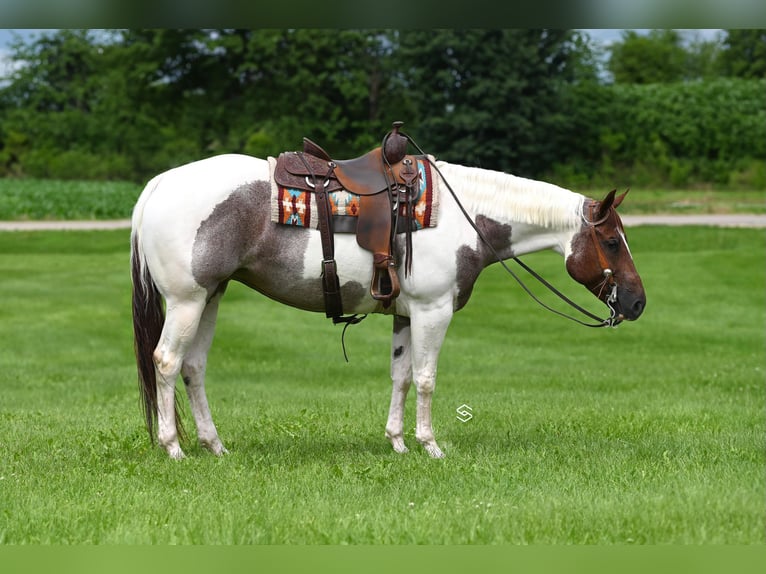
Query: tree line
x=126 y=104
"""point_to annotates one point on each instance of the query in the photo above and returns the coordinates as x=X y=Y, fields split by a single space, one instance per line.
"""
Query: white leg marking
x=428 y=331
x=401 y=376
x=193 y=373
x=177 y=334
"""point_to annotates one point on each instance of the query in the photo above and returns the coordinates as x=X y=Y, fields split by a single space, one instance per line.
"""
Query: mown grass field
x=651 y=433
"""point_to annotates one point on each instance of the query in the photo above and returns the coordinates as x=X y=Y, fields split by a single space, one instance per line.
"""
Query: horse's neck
x=541 y=215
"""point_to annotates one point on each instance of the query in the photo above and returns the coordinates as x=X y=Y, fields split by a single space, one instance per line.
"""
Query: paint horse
x=201 y=225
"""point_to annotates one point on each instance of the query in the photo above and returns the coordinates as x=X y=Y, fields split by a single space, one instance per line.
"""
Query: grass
x=648 y=434
x=22 y=199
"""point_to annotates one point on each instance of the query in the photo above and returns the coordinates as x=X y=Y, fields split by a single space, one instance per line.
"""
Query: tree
x=333 y=86
x=491 y=98
x=50 y=104
x=130 y=103
x=152 y=99
x=702 y=57
x=656 y=57
x=744 y=53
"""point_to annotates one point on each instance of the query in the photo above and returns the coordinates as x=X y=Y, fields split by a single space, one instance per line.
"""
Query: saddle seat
x=377 y=177
x=369 y=174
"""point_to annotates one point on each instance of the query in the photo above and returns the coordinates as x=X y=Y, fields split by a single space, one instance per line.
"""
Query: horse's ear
x=619 y=198
x=605 y=204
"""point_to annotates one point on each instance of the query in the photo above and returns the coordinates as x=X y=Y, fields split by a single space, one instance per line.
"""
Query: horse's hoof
x=400 y=448
x=176 y=453
x=216 y=447
x=398 y=443
x=433 y=450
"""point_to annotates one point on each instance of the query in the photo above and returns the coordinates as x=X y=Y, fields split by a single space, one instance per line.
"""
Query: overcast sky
x=6 y=36
x=607 y=36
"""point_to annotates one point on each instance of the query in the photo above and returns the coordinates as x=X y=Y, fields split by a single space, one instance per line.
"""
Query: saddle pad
x=297 y=207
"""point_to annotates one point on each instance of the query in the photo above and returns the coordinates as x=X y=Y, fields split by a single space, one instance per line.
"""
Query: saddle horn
x=394 y=145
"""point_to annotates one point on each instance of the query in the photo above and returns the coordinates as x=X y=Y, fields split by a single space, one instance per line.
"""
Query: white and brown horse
x=201 y=225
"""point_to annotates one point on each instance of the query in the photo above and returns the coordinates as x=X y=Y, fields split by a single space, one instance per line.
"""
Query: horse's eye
x=612 y=244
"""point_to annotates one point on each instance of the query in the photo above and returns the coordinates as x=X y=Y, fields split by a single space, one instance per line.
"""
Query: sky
x=6 y=39
x=6 y=36
x=606 y=36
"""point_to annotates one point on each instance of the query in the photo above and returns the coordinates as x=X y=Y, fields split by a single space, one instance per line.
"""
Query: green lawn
x=649 y=433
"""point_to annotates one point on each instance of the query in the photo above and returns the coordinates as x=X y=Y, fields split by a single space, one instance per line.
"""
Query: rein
x=611 y=321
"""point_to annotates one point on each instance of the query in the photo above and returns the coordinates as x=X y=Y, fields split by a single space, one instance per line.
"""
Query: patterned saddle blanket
x=297 y=207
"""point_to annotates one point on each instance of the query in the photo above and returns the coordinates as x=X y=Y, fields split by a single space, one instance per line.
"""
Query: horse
x=198 y=226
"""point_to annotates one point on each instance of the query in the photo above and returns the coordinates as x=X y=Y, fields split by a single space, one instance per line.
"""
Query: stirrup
x=385 y=284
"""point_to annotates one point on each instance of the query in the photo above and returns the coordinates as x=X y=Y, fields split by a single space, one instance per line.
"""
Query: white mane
x=504 y=197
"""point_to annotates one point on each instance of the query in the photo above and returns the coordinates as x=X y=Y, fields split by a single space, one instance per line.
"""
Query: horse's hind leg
x=178 y=333
x=193 y=373
x=401 y=376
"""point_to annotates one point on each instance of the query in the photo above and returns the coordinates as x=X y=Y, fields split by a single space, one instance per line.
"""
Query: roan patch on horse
x=201 y=225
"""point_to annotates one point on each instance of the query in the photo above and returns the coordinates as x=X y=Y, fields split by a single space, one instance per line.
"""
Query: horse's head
x=600 y=259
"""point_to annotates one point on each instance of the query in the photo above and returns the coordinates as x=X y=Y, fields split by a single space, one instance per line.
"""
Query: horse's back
x=187 y=194
x=212 y=179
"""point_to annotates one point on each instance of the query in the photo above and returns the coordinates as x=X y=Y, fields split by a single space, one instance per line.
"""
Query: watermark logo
x=464 y=413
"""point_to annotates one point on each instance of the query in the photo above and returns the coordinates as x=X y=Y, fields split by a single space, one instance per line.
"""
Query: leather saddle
x=385 y=178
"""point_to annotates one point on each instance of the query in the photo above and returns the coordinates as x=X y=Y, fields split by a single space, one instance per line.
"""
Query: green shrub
x=749 y=174
x=680 y=172
x=685 y=133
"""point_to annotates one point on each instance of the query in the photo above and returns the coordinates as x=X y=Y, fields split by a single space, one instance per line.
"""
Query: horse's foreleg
x=428 y=331
x=401 y=376
x=193 y=373
x=177 y=335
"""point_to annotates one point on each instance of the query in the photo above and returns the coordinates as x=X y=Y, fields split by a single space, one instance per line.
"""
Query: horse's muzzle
x=630 y=306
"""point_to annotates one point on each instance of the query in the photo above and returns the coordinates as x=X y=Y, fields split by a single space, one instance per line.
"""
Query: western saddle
x=386 y=181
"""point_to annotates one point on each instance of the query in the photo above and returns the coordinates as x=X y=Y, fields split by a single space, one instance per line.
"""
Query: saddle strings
x=610 y=321
x=395 y=197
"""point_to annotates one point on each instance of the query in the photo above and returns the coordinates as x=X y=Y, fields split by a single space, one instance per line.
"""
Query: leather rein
x=612 y=321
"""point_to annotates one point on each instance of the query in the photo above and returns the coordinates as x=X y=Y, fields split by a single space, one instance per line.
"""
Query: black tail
x=148 y=318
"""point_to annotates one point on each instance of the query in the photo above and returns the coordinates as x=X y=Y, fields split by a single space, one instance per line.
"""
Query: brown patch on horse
x=239 y=241
x=470 y=261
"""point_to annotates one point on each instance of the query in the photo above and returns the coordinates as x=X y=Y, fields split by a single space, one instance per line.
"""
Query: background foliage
x=126 y=104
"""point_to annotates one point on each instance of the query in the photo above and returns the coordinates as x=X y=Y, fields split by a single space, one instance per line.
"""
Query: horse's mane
x=506 y=197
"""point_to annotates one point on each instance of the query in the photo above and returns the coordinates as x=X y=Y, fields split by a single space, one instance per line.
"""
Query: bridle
x=612 y=321
x=606 y=271
x=591 y=224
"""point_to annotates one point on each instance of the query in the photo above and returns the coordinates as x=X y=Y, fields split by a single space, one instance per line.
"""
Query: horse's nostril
x=638 y=307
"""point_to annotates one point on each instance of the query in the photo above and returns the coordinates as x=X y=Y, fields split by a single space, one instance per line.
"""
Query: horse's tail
x=148 y=316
